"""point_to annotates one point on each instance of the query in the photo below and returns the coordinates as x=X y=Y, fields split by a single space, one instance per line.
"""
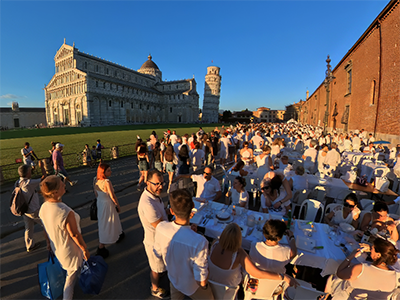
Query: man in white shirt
x=309 y=156
x=28 y=187
x=356 y=143
x=257 y=141
x=208 y=186
x=173 y=138
x=333 y=158
x=371 y=139
x=151 y=212
x=196 y=157
x=183 y=251
x=28 y=155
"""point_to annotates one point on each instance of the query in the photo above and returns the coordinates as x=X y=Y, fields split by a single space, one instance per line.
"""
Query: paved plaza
x=128 y=273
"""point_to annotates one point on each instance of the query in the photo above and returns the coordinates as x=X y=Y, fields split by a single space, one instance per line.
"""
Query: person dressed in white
x=322 y=157
x=173 y=138
x=264 y=162
x=356 y=143
x=270 y=255
x=332 y=159
x=28 y=187
x=348 y=213
x=151 y=212
x=369 y=281
x=197 y=157
x=274 y=196
x=347 y=145
x=28 y=155
x=224 y=151
x=63 y=232
x=110 y=228
x=183 y=251
x=208 y=186
x=257 y=141
x=246 y=154
x=310 y=156
x=239 y=195
x=298 y=182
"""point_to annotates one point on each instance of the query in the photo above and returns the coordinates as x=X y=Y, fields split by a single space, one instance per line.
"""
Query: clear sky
x=269 y=52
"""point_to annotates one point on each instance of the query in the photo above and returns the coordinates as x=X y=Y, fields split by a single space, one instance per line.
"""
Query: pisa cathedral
x=89 y=91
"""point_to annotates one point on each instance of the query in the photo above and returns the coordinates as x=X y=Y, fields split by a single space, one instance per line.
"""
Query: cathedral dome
x=149 y=64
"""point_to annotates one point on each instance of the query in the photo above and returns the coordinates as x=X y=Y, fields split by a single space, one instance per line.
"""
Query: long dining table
x=327 y=254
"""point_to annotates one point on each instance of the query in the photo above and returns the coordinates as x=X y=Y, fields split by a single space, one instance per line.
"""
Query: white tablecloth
x=326 y=259
x=368 y=169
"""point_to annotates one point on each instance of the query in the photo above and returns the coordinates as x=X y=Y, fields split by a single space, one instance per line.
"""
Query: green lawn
x=74 y=139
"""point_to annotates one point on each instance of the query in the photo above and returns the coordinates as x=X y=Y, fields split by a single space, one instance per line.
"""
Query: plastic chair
x=318 y=193
x=331 y=207
x=231 y=178
x=367 y=204
x=223 y=292
x=297 y=199
x=312 y=210
x=265 y=290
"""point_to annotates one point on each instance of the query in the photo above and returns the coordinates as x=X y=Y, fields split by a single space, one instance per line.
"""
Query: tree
x=226 y=115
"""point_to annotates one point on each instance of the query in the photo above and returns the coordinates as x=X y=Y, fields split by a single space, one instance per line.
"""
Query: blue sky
x=269 y=52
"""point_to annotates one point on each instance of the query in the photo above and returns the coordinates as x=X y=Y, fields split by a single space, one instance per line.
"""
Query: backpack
x=18 y=205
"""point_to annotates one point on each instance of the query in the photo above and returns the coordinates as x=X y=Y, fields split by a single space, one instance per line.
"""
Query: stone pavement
x=128 y=272
x=125 y=174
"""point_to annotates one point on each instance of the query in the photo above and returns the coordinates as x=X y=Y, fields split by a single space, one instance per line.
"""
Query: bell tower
x=212 y=90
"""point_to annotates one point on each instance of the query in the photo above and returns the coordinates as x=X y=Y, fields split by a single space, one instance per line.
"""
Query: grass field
x=74 y=139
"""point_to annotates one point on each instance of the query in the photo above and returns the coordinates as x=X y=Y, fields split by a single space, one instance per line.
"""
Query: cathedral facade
x=89 y=91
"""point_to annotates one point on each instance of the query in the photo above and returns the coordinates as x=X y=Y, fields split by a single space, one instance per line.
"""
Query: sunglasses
x=157 y=184
x=346 y=204
x=207 y=173
x=265 y=188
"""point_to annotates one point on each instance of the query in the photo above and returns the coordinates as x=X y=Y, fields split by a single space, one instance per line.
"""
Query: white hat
x=59 y=145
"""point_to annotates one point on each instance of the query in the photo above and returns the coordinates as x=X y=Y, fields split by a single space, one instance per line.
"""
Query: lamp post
x=328 y=79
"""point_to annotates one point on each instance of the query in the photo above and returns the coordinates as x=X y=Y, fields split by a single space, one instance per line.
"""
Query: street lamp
x=328 y=79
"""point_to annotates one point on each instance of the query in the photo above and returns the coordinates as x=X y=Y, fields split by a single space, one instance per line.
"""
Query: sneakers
x=159 y=293
x=103 y=252
x=121 y=237
x=72 y=183
x=34 y=247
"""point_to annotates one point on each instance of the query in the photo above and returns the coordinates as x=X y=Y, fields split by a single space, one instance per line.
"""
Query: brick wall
x=374 y=101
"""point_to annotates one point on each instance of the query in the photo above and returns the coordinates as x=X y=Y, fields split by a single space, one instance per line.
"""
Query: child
x=94 y=153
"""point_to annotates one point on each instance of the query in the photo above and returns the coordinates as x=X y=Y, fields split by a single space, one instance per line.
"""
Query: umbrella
x=381 y=142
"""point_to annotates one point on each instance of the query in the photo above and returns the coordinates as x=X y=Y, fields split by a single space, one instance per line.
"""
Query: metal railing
x=9 y=172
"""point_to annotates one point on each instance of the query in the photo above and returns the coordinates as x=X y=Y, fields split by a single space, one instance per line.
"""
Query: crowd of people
x=176 y=247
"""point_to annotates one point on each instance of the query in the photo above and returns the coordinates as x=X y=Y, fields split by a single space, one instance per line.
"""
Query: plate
x=346 y=227
x=226 y=221
x=305 y=243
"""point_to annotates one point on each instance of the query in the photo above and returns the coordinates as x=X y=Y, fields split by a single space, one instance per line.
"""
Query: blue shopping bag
x=93 y=274
x=51 y=277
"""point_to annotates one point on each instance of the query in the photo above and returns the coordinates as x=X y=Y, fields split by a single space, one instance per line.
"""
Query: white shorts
x=224 y=153
x=156 y=264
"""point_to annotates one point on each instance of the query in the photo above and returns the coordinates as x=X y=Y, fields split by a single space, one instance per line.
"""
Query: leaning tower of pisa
x=212 y=91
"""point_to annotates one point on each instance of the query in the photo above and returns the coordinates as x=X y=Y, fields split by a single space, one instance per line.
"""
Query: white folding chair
x=231 y=178
x=318 y=193
x=367 y=204
x=265 y=289
x=311 y=210
x=223 y=292
x=331 y=207
x=297 y=199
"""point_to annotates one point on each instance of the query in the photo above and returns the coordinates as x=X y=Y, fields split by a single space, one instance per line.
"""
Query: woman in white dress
x=246 y=154
x=274 y=196
x=227 y=257
x=348 y=213
x=238 y=193
x=264 y=162
x=110 y=229
x=368 y=281
x=63 y=231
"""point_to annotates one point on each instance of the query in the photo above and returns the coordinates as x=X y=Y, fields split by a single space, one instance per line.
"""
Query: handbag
x=51 y=277
x=93 y=273
x=93 y=210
